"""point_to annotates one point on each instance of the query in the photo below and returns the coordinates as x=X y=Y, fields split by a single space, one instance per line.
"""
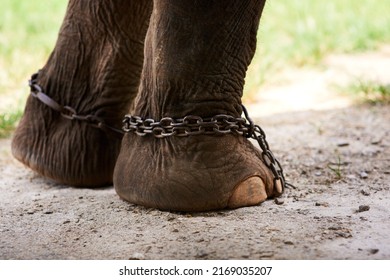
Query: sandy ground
x=335 y=153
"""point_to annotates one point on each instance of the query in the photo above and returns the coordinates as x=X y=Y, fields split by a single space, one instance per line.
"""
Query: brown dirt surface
x=336 y=153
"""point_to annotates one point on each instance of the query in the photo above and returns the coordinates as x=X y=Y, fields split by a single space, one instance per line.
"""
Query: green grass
x=8 y=122
x=371 y=92
x=292 y=33
x=28 y=30
x=335 y=167
x=303 y=32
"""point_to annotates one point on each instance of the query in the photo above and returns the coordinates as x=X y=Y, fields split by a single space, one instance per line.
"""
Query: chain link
x=257 y=133
x=68 y=112
x=187 y=126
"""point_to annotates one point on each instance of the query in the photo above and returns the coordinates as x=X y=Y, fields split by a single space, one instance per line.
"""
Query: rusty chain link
x=183 y=127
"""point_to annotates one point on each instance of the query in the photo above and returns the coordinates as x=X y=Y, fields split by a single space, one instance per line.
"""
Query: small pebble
x=374 y=251
x=363 y=175
x=175 y=230
x=137 y=256
x=202 y=254
x=147 y=249
x=324 y=204
x=279 y=201
x=344 y=234
x=364 y=192
x=342 y=144
x=376 y=141
x=363 y=208
x=334 y=228
x=48 y=212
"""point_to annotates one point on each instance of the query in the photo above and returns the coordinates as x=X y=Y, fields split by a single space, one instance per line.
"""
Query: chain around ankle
x=183 y=127
x=68 y=112
x=217 y=125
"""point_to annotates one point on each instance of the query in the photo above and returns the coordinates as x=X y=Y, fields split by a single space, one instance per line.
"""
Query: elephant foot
x=94 y=70
x=196 y=173
x=193 y=69
x=67 y=151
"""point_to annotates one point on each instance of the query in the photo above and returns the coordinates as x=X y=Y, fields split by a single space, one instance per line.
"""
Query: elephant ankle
x=57 y=142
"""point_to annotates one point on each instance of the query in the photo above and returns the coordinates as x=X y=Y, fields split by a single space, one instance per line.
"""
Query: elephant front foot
x=54 y=141
x=194 y=173
x=91 y=77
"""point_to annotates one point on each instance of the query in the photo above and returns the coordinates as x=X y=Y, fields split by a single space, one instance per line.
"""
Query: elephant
x=182 y=62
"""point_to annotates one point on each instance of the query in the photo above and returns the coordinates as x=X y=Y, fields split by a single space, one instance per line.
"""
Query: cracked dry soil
x=337 y=158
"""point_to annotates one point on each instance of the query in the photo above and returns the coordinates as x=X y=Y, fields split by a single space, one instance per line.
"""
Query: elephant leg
x=95 y=69
x=196 y=57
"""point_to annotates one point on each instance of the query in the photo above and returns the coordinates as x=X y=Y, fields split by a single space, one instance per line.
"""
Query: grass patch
x=370 y=92
x=336 y=168
x=29 y=27
x=28 y=31
x=8 y=122
x=303 y=32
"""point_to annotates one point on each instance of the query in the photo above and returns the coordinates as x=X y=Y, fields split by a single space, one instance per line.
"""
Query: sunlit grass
x=303 y=32
x=8 y=122
x=28 y=30
x=366 y=91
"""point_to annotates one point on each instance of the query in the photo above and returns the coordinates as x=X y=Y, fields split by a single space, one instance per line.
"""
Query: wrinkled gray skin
x=168 y=58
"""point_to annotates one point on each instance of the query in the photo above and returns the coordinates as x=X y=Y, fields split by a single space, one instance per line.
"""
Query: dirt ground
x=336 y=153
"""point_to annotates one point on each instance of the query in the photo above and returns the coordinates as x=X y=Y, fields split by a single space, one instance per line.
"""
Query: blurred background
x=294 y=35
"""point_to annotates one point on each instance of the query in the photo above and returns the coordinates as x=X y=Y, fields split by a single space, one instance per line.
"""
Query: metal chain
x=257 y=133
x=69 y=112
x=217 y=125
x=188 y=126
